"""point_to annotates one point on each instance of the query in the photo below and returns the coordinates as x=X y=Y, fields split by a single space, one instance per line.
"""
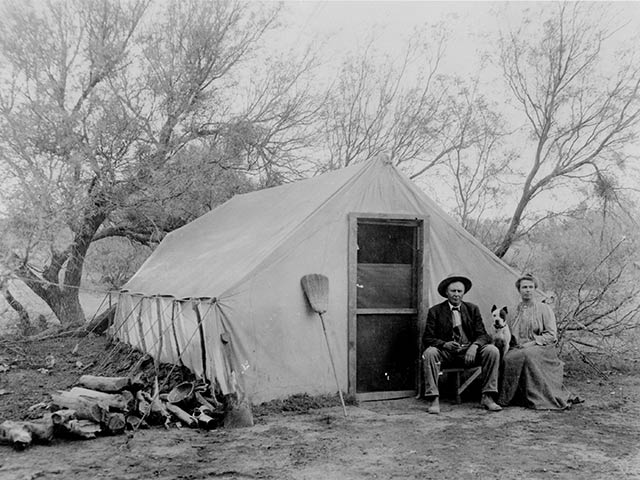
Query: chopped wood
x=15 y=434
x=42 y=431
x=213 y=405
x=86 y=408
x=105 y=384
x=110 y=401
x=205 y=421
x=181 y=415
x=114 y=423
x=130 y=399
x=144 y=407
x=158 y=413
x=83 y=428
x=136 y=383
x=134 y=422
x=37 y=406
x=63 y=416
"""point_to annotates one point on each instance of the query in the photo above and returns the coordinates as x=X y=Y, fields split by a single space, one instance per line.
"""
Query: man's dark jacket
x=439 y=327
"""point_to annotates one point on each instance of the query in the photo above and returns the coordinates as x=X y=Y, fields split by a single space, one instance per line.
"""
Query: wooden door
x=386 y=278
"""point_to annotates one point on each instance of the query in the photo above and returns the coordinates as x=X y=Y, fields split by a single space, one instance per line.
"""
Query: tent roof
x=206 y=256
x=210 y=255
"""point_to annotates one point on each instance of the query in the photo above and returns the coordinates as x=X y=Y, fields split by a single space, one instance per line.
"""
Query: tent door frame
x=421 y=266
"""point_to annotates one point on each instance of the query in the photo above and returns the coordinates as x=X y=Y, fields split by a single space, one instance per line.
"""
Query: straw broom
x=316 y=289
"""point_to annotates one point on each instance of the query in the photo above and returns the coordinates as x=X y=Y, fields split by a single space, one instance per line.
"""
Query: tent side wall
x=173 y=331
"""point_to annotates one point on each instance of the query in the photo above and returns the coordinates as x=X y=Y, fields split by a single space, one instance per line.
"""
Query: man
x=455 y=336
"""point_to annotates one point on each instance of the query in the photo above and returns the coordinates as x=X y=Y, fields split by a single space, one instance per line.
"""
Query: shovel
x=316 y=289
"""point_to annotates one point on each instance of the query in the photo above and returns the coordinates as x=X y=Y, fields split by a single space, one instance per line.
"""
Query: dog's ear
x=493 y=308
x=505 y=310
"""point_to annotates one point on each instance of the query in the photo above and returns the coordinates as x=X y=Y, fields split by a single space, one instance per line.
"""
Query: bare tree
x=100 y=100
x=475 y=168
x=581 y=113
x=403 y=107
x=593 y=282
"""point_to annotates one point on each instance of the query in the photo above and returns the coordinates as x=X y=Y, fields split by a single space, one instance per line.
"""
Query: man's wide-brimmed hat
x=442 y=287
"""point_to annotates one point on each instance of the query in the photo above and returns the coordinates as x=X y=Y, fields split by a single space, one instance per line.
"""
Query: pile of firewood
x=111 y=405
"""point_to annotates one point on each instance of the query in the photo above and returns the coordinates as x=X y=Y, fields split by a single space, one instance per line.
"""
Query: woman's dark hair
x=529 y=277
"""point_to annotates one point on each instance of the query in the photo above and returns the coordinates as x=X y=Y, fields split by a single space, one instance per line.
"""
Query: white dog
x=501 y=333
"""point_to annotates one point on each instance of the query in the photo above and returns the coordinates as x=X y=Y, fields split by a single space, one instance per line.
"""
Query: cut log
x=205 y=421
x=82 y=428
x=105 y=384
x=110 y=401
x=137 y=383
x=134 y=422
x=206 y=403
x=130 y=399
x=157 y=407
x=181 y=415
x=15 y=434
x=60 y=417
x=158 y=414
x=41 y=432
x=114 y=423
x=144 y=407
x=86 y=408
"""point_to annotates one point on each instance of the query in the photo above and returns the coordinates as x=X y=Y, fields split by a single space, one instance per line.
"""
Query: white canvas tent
x=222 y=294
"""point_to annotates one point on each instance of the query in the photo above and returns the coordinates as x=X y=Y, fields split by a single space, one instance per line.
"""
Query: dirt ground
x=397 y=439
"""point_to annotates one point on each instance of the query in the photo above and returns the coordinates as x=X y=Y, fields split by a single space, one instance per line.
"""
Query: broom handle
x=335 y=374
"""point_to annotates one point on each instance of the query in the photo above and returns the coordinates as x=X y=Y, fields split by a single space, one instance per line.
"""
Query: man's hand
x=451 y=346
x=470 y=356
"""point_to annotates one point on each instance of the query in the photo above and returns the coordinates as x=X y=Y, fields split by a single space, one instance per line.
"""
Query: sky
x=348 y=22
x=343 y=26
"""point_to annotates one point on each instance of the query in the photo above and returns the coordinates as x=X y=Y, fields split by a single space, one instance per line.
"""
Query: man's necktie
x=456 y=327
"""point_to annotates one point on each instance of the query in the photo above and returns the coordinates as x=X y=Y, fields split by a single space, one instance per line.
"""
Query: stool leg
x=458 y=397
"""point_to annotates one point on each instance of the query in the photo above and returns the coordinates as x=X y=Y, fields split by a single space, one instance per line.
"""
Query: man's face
x=455 y=292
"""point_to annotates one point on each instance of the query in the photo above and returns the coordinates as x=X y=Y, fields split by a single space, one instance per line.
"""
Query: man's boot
x=488 y=403
x=433 y=405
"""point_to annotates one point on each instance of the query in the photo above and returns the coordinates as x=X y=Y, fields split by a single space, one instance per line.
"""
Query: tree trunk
x=64 y=299
x=67 y=308
x=510 y=235
x=25 y=321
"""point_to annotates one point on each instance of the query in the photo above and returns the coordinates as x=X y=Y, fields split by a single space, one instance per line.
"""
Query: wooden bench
x=458 y=373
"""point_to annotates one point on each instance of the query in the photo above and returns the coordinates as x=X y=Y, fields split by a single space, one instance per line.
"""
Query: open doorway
x=385 y=297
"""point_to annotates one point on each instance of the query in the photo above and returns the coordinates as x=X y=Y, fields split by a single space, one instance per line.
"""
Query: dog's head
x=499 y=317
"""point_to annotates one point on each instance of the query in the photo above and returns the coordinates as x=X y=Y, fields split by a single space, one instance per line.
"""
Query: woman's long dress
x=532 y=375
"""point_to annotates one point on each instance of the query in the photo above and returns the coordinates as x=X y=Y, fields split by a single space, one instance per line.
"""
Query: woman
x=533 y=372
